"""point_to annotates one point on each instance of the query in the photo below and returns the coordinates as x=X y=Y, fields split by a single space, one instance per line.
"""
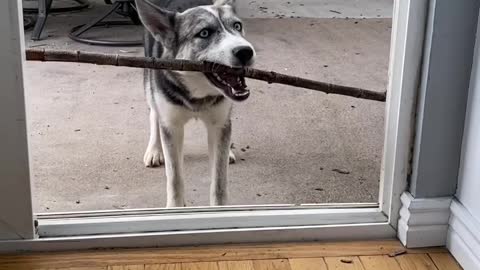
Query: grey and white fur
x=203 y=31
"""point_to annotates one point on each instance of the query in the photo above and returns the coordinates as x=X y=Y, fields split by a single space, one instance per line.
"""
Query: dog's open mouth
x=233 y=86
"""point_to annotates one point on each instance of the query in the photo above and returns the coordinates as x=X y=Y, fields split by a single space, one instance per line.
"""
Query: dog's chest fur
x=189 y=90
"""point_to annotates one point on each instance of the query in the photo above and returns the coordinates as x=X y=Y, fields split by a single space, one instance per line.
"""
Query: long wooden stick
x=208 y=67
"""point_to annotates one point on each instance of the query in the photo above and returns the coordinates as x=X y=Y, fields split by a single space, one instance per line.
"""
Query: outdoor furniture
x=125 y=8
x=28 y=21
x=44 y=9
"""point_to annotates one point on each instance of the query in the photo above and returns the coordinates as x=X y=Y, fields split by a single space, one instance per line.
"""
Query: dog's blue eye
x=237 y=26
x=204 y=33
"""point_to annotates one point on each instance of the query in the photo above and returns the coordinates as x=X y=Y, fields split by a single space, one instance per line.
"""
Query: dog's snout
x=243 y=53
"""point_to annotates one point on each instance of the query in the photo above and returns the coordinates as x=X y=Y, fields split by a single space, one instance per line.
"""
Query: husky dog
x=204 y=33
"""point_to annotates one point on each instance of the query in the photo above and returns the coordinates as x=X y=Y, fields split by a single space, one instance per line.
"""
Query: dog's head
x=205 y=33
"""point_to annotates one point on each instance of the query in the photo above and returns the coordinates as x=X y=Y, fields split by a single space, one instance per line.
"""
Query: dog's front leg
x=219 y=147
x=172 y=142
x=153 y=156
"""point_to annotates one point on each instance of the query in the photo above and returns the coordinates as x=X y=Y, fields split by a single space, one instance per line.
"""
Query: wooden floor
x=371 y=255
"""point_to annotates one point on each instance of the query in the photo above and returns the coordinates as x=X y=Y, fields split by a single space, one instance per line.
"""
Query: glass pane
x=89 y=125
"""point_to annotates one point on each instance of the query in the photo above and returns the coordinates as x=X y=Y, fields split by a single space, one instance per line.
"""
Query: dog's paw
x=153 y=157
x=231 y=157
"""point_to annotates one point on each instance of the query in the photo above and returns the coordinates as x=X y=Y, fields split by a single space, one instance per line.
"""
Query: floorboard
x=344 y=263
x=358 y=255
x=416 y=262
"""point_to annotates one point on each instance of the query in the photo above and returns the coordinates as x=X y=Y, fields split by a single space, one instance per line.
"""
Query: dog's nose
x=243 y=53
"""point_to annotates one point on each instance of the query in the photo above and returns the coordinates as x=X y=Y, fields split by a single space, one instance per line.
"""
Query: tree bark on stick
x=207 y=67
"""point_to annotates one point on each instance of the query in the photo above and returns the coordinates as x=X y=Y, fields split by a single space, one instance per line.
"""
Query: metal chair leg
x=133 y=14
x=43 y=9
x=123 y=7
x=92 y=24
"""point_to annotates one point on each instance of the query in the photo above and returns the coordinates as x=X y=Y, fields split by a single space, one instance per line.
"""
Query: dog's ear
x=159 y=22
x=224 y=2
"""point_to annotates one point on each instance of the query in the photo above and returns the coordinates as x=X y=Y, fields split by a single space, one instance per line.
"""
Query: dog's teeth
x=239 y=93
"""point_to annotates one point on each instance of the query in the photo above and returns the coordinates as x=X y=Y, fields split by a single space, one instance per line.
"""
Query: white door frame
x=160 y=227
x=406 y=52
x=15 y=196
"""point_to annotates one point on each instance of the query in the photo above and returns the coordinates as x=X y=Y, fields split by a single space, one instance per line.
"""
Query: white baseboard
x=463 y=237
x=423 y=222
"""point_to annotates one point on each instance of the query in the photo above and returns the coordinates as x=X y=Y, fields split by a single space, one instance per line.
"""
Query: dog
x=212 y=33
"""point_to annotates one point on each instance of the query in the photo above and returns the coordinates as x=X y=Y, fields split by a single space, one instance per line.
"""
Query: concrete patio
x=88 y=125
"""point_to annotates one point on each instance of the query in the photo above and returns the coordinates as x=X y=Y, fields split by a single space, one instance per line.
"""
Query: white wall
x=468 y=190
x=463 y=238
